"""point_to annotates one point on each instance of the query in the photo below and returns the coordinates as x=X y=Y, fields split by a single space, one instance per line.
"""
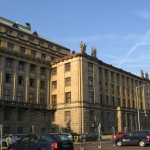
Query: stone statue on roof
x=93 y=54
x=146 y=75
x=142 y=74
x=82 y=47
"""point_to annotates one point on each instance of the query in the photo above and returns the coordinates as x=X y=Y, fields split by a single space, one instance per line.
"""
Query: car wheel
x=119 y=143
x=142 y=144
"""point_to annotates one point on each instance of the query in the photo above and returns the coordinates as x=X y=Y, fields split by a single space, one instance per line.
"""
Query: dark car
x=141 y=138
x=43 y=142
x=119 y=134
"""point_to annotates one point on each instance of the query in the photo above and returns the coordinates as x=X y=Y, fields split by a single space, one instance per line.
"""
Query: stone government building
x=46 y=87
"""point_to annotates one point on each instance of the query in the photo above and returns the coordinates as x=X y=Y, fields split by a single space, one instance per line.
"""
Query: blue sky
x=118 y=29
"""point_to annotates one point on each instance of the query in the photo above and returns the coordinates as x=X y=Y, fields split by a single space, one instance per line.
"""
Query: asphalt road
x=106 y=145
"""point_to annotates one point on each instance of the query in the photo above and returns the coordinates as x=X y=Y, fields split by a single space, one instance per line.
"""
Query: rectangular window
x=106 y=74
x=10 y=46
x=91 y=97
x=43 y=70
x=31 y=97
x=20 y=80
x=32 y=68
x=9 y=62
x=41 y=43
x=90 y=67
x=7 y=94
x=43 y=57
x=67 y=67
x=67 y=116
x=20 y=36
x=19 y=96
x=43 y=117
x=7 y=114
x=42 y=84
x=68 y=81
x=22 y=50
x=54 y=71
x=54 y=100
x=92 y=116
x=32 y=82
x=90 y=81
x=20 y=115
x=21 y=66
x=54 y=85
x=42 y=98
x=9 y=32
x=33 y=53
x=106 y=86
x=67 y=97
x=8 y=78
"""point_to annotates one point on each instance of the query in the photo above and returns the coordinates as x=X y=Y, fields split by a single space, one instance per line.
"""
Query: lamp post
x=138 y=110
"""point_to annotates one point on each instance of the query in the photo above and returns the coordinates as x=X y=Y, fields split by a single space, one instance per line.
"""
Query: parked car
x=11 y=138
x=43 y=141
x=119 y=134
x=69 y=135
x=141 y=138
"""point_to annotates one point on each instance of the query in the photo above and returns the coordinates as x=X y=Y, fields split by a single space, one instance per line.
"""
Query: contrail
x=135 y=46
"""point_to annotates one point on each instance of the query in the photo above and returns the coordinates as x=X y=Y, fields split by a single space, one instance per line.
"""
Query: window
x=58 y=49
x=10 y=46
x=54 y=100
x=43 y=117
x=106 y=74
x=21 y=66
x=50 y=46
x=90 y=67
x=42 y=98
x=9 y=32
x=22 y=50
x=31 y=97
x=20 y=36
x=112 y=88
x=113 y=101
x=68 y=81
x=43 y=57
x=32 y=82
x=101 y=99
x=67 y=97
x=67 y=116
x=52 y=58
x=7 y=114
x=92 y=116
x=9 y=62
x=7 y=94
x=8 y=78
x=54 y=71
x=107 y=100
x=41 y=43
x=42 y=84
x=54 y=84
x=67 y=67
x=19 y=96
x=20 y=80
x=20 y=130
x=119 y=102
x=106 y=86
x=91 y=97
x=43 y=70
x=90 y=81
x=31 y=40
x=33 y=53
x=32 y=68
x=20 y=115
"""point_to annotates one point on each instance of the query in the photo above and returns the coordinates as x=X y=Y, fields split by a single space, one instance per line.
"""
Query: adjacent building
x=45 y=88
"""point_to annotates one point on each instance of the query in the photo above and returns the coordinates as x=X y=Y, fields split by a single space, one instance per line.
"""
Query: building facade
x=44 y=88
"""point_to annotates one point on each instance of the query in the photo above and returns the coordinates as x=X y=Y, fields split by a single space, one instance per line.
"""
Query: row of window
x=32 y=40
x=20 y=96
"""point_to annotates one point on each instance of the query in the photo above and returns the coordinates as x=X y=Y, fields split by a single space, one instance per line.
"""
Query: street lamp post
x=138 y=110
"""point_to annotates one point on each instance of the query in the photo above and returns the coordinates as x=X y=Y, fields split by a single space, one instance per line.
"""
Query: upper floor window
x=41 y=43
x=9 y=62
x=67 y=66
x=54 y=84
x=91 y=97
x=21 y=66
x=32 y=82
x=58 y=49
x=90 y=81
x=31 y=97
x=43 y=56
x=54 y=100
x=67 y=97
x=68 y=81
x=7 y=94
x=22 y=50
x=33 y=53
x=106 y=73
x=42 y=98
x=90 y=67
x=19 y=96
x=20 y=36
x=54 y=71
x=31 y=40
x=20 y=80
x=8 y=78
x=50 y=46
x=32 y=68
x=9 y=32
x=43 y=70
x=42 y=84
x=10 y=46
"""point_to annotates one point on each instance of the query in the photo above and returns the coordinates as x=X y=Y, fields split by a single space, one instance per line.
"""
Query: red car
x=119 y=134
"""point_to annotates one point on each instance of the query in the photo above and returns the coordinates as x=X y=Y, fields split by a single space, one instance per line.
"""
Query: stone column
x=119 y=116
x=38 y=85
x=48 y=86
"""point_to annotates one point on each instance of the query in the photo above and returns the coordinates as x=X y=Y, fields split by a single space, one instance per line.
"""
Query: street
x=106 y=145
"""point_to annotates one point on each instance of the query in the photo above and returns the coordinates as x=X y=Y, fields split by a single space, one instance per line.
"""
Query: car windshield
x=61 y=137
